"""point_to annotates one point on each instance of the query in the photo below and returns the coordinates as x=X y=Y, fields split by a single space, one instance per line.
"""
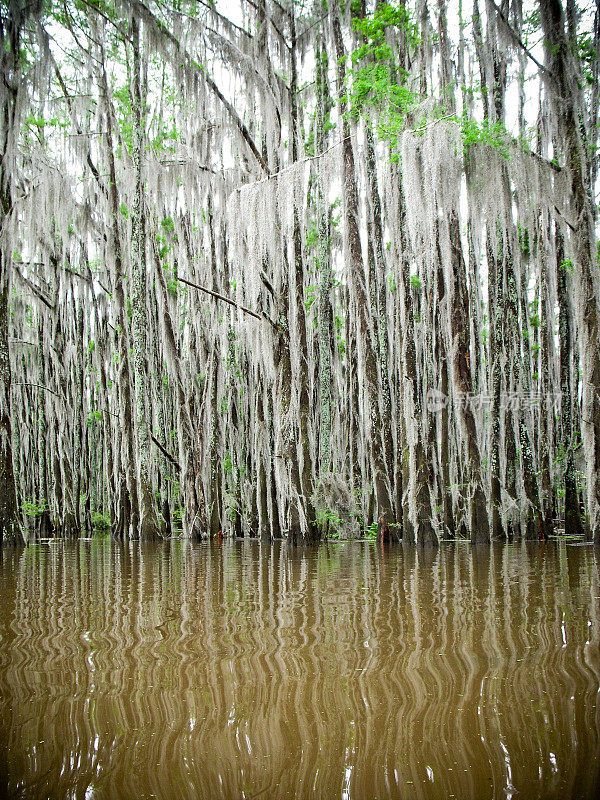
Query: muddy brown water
x=253 y=670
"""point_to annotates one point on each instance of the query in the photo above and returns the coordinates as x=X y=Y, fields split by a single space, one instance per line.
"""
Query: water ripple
x=260 y=671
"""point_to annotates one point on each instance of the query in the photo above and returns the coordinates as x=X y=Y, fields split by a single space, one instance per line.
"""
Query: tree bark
x=385 y=508
x=566 y=97
x=147 y=519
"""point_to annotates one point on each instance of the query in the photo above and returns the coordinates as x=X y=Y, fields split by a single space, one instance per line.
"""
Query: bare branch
x=39 y=386
x=519 y=42
x=218 y=296
x=165 y=452
x=150 y=19
x=37 y=292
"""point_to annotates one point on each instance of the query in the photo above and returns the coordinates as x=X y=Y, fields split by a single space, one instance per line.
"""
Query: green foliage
x=566 y=265
x=311 y=296
x=415 y=282
x=329 y=522
x=41 y=124
x=34 y=508
x=339 y=330
x=100 y=522
x=490 y=133
x=173 y=286
x=328 y=125
x=374 y=27
x=94 y=417
x=168 y=224
x=177 y=514
x=165 y=138
x=585 y=51
x=524 y=241
x=378 y=79
x=372 y=530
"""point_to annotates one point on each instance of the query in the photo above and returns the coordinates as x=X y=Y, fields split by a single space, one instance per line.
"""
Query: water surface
x=258 y=671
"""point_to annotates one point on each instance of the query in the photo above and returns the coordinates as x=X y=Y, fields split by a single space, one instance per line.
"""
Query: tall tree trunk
x=45 y=519
x=573 y=522
x=459 y=327
x=566 y=96
x=385 y=509
x=10 y=523
x=303 y=450
x=147 y=519
x=495 y=320
x=129 y=507
x=324 y=271
x=417 y=524
x=10 y=61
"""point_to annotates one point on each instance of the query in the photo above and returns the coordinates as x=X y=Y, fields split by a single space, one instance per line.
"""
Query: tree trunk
x=385 y=509
x=10 y=55
x=147 y=519
x=566 y=95
x=459 y=327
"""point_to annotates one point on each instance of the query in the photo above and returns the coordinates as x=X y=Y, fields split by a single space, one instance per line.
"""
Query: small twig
x=295 y=164
x=562 y=216
x=267 y=283
x=39 y=386
x=181 y=162
x=433 y=122
x=517 y=39
x=218 y=296
x=312 y=25
x=275 y=27
x=112 y=413
x=165 y=452
x=107 y=19
x=546 y=162
x=86 y=279
x=37 y=292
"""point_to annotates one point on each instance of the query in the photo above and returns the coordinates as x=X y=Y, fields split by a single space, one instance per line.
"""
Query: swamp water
x=253 y=670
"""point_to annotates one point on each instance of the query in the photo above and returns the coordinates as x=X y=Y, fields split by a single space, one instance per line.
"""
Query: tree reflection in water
x=254 y=669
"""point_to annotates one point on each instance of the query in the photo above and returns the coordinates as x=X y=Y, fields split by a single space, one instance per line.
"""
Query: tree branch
x=37 y=292
x=39 y=386
x=274 y=25
x=165 y=452
x=518 y=41
x=218 y=296
x=90 y=163
x=144 y=13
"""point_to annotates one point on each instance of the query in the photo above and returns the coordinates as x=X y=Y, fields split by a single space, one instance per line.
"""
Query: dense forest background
x=281 y=268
